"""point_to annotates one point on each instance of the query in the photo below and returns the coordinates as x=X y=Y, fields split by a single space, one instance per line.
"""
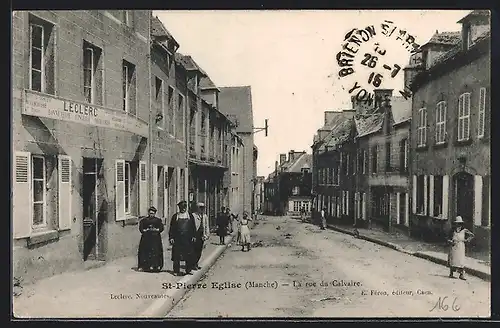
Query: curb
x=161 y=307
x=474 y=272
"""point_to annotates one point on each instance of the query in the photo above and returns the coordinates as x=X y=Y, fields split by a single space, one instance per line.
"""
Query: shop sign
x=43 y=105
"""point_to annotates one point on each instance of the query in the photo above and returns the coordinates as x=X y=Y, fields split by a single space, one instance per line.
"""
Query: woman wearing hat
x=459 y=235
x=150 y=254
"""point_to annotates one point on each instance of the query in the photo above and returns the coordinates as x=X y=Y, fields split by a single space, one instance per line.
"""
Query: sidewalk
x=477 y=264
x=116 y=289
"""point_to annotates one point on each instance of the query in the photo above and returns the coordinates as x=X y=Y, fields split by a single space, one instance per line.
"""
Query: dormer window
x=305 y=170
x=196 y=82
x=467 y=37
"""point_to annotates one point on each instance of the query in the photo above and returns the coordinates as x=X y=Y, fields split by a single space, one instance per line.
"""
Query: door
x=464 y=198
x=94 y=209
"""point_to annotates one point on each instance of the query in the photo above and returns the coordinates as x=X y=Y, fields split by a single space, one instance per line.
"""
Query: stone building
x=80 y=117
x=236 y=104
x=450 y=132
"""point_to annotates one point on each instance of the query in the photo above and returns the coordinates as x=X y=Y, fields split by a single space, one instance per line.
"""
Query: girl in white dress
x=456 y=256
x=245 y=232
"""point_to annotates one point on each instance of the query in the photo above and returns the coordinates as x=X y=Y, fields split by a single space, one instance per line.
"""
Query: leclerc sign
x=43 y=105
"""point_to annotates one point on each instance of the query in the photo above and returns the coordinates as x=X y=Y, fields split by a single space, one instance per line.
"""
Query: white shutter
x=426 y=192
x=478 y=199
x=363 y=206
x=166 y=194
x=119 y=190
x=398 y=206
x=143 y=188
x=21 y=195
x=64 y=196
x=347 y=195
x=178 y=184
x=414 y=195
x=407 y=209
x=186 y=184
x=446 y=182
x=154 y=201
x=431 y=195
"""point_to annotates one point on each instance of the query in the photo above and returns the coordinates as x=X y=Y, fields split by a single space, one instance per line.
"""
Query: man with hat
x=182 y=236
x=150 y=253
x=202 y=232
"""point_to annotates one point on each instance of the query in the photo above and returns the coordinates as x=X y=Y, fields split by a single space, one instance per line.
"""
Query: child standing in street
x=458 y=237
x=244 y=231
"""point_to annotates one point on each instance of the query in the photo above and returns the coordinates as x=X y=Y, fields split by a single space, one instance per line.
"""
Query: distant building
x=236 y=104
x=450 y=138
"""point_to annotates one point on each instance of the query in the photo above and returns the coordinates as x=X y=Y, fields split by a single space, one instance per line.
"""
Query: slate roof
x=302 y=161
x=449 y=38
x=159 y=30
x=207 y=84
x=340 y=133
x=236 y=102
x=369 y=124
x=330 y=125
x=401 y=109
x=188 y=63
x=475 y=13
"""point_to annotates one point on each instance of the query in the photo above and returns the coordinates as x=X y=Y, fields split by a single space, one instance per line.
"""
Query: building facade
x=450 y=133
x=236 y=104
x=80 y=118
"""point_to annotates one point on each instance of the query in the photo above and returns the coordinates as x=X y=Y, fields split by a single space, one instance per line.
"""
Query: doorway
x=464 y=198
x=94 y=209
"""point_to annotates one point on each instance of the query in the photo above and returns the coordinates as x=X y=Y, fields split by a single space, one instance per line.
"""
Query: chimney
x=282 y=158
x=330 y=115
x=381 y=95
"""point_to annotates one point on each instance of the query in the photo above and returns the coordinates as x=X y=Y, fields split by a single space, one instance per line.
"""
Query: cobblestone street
x=362 y=279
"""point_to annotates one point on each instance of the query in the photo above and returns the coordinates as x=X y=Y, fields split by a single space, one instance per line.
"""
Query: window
x=171 y=111
x=403 y=153
x=463 y=116
x=468 y=41
x=305 y=170
x=420 y=194
x=347 y=163
x=330 y=175
x=159 y=103
x=481 y=114
x=422 y=127
x=296 y=205
x=127 y=17
x=39 y=191
x=92 y=74
x=129 y=87
x=180 y=133
x=374 y=158
x=365 y=161
x=440 y=122
x=438 y=196
x=295 y=191
x=41 y=56
x=127 y=187
x=336 y=176
x=388 y=156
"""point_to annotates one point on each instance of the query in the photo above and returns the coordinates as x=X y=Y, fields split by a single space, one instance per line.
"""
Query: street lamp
x=262 y=129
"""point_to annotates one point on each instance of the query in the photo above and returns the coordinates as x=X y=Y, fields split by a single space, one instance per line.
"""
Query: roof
x=188 y=63
x=475 y=13
x=401 y=109
x=207 y=84
x=159 y=30
x=336 y=119
x=447 y=38
x=369 y=124
x=236 y=102
x=340 y=133
x=303 y=161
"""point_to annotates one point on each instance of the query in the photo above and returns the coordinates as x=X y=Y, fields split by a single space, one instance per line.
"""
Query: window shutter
x=119 y=190
x=478 y=200
x=446 y=182
x=64 y=196
x=21 y=195
x=414 y=195
x=143 y=188
x=426 y=193
x=178 y=184
x=431 y=195
x=154 y=201
x=166 y=194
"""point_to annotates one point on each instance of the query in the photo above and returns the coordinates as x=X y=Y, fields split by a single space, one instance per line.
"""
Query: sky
x=288 y=57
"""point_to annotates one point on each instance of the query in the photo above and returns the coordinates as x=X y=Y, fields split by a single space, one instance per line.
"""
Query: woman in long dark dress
x=222 y=226
x=150 y=254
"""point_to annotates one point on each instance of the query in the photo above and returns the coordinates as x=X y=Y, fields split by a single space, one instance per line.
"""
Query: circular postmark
x=365 y=62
